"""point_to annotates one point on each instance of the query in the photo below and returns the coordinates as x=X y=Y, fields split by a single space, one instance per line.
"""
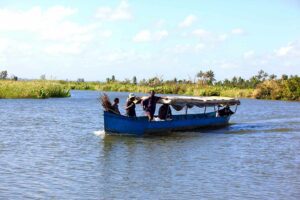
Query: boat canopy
x=179 y=102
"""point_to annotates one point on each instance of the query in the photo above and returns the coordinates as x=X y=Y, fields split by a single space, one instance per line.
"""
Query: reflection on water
x=57 y=149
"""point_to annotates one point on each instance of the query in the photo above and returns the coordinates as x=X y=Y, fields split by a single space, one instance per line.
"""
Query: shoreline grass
x=40 y=89
x=10 y=89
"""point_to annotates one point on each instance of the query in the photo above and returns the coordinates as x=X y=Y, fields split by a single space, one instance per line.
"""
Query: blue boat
x=119 y=124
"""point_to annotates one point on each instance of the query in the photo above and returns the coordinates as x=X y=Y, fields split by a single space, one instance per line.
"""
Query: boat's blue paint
x=140 y=125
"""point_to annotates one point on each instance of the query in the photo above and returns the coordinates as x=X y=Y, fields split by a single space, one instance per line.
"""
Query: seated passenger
x=225 y=111
x=115 y=106
x=165 y=112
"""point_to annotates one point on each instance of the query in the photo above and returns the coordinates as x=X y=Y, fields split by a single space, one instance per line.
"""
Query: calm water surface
x=56 y=149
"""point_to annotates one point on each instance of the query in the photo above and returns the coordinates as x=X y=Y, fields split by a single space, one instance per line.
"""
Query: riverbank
x=166 y=88
x=269 y=89
x=38 y=89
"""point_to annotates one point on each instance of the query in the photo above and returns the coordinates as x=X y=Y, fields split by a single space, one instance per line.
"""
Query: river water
x=56 y=149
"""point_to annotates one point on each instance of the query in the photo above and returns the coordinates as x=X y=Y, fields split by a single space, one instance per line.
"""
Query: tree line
x=207 y=78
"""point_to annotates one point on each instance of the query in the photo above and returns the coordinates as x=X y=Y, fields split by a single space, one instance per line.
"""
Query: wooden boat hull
x=118 y=124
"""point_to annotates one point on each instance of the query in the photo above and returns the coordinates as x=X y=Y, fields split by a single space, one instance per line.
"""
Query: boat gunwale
x=174 y=118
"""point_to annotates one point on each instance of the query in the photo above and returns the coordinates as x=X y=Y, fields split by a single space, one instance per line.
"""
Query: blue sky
x=97 y=39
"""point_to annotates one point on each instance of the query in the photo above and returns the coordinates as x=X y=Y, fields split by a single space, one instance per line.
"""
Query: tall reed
x=32 y=89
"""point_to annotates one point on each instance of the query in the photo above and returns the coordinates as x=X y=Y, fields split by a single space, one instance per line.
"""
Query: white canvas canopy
x=178 y=102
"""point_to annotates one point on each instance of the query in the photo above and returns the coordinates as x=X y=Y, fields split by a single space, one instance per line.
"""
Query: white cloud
x=34 y=19
x=160 y=23
x=68 y=31
x=284 y=50
x=188 y=21
x=121 y=56
x=147 y=36
x=121 y=12
x=142 y=36
x=50 y=25
x=12 y=20
x=292 y=49
x=199 y=47
x=179 y=48
x=186 y=48
x=160 y=35
x=105 y=33
x=222 y=37
x=201 y=33
x=4 y=43
x=249 y=54
x=63 y=49
x=228 y=65
x=237 y=31
x=12 y=46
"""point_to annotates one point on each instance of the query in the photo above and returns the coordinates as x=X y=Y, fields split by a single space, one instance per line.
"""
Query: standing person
x=149 y=104
x=115 y=106
x=130 y=106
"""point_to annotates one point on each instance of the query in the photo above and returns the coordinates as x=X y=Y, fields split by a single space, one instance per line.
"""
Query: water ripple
x=57 y=149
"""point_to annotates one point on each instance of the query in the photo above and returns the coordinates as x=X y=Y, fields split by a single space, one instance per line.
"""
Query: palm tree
x=210 y=76
x=201 y=77
x=200 y=74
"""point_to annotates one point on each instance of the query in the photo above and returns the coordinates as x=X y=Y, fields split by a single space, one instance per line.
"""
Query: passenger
x=225 y=111
x=130 y=106
x=165 y=112
x=149 y=104
x=115 y=106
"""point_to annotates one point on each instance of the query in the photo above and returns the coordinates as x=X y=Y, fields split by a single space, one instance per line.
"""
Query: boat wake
x=268 y=125
x=279 y=120
x=100 y=133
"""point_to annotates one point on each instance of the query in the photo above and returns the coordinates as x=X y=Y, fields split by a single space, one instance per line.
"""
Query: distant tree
x=253 y=82
x=234 y=81
x=272 y=77
x=107 y=80
x=206 y=77
x=13 y=77
x=113 y=78
x=43 y=77
x=155 y=81
x=134 y=80
x=80 y=80
x=210 y=76
x=175 y=80
x=240 y=82
x=284 y=77
x=3 y=74
x=227 y=82
x=126 y=81
x=262 y=75
x=143 y=82
x=219 y=83
x=200 y=75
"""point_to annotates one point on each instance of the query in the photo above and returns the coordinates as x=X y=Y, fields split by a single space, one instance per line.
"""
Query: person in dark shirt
x=130 y=106
x=115 y=106
x=149 y=104
x=225 y=111
x=165 y=112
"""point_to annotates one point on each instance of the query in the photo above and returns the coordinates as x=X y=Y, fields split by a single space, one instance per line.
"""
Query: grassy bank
x=269 y=89
x=164 y=88
x=32 y=89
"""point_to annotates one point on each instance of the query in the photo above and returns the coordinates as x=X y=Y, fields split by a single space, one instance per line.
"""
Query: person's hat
x=131 y=95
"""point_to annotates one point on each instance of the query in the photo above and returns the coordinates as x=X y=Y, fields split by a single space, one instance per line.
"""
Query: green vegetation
x=260 y=86
x=32 y=89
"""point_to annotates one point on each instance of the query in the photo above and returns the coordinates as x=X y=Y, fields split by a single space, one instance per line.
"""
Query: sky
x=95 y=39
